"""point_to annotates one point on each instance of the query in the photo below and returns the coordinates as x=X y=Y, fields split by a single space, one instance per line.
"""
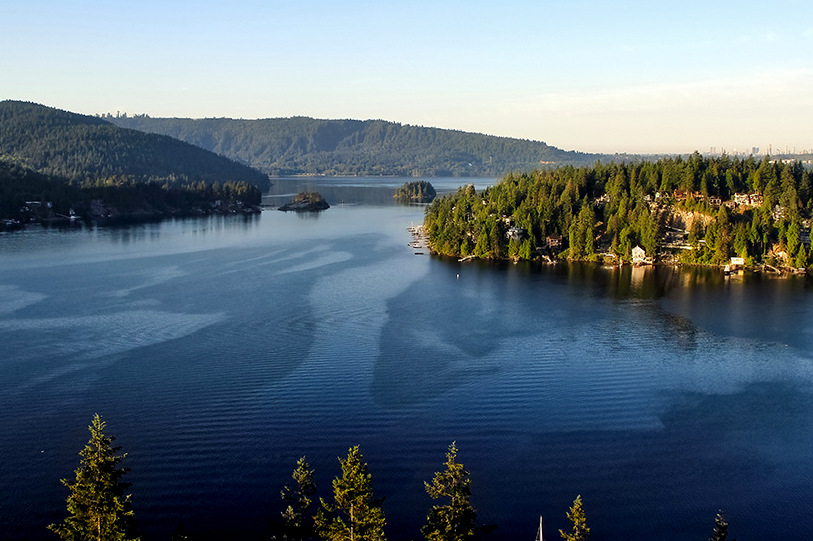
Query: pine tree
x=454 y=521
x=297 y=524
x=720 y=528
x=98 y=507
x=576 y=515
x=354 y=515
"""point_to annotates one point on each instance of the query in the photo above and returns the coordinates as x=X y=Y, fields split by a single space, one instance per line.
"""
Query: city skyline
x=586 y=75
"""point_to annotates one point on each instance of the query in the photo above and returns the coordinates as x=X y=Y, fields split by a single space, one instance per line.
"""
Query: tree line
x=582 y=212
x=27 y=195
x=300 y=145
x=101 y=509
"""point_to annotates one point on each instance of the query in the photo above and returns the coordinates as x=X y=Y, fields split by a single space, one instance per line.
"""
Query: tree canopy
x=455 y=519
x=354 y=514
x=579 y=531
x=418 y=191
x=297 y=522
x=739 y=207
x=98 y=507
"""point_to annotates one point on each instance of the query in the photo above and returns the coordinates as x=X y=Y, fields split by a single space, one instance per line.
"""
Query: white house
x=638 y=255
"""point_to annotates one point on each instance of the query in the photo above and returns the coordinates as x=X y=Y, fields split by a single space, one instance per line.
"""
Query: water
x=220 y=350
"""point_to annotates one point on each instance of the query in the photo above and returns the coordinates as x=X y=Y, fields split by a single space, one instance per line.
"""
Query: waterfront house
x=638 y=255
x=554 y=241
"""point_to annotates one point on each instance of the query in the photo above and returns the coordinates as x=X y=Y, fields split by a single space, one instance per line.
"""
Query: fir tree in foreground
x=454 y=521
x=297 y=523
x=98 y=507
x=720 y=528
x=576 y=515
x=354 y=515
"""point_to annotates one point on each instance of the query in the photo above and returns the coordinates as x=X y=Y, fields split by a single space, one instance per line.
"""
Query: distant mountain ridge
x=302 y=146
x=79 y=147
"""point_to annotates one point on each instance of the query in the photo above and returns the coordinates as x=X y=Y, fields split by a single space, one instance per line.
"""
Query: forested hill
x=79 y=148
x=300 y=145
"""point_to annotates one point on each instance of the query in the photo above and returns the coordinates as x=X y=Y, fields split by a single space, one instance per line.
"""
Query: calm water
x=220 y=350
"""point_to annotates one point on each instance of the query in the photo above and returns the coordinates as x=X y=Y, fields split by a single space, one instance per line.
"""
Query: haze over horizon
x=585 y=75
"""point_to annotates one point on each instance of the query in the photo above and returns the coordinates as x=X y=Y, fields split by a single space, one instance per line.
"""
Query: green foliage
x=111 y=197
x=299 y=145
x=297 y=523
x=354 y=515
x=455 y=520
x=98 y=507
x=720 y=528
x=79 y=148
x=419 y=191
x=575 y=515
x=612 y=207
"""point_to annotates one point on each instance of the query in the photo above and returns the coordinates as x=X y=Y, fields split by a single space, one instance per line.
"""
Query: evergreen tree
x=297 y=524
x=354 y=515
x=720 y=528
x=98 y=507
x=455 y=520
x=576 y=515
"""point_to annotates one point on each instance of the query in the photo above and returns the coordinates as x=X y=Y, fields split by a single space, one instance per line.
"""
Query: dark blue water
x=220 y=350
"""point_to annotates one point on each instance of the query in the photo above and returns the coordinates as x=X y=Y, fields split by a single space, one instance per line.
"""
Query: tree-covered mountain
x=79 y=148
x=300 y=145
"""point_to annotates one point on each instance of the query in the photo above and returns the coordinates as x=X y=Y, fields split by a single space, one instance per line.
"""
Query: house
x=680 y=195
x=715 y=201
x=756 y=199
x=638 y=255
x=516 y=233
x=737 y=262
x=741 y=199
x=554 y=241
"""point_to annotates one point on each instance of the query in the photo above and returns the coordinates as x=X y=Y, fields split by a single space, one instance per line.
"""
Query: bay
x=220 y=350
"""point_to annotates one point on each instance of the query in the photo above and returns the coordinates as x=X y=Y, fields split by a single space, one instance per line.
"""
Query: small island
x=419 y=191
x=306 y=202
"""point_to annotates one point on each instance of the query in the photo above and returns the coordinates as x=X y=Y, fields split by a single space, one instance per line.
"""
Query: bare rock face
x=682 y=219
x=306 y=202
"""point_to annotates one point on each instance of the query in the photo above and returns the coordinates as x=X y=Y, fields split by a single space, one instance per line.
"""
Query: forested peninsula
x=309 y=146
x=60 y=166
x=693 y=210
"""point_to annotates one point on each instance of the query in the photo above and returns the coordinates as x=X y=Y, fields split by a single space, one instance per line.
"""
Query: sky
x=588 y=75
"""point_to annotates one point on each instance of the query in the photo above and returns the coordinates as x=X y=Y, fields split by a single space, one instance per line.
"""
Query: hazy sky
x=596 y=76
